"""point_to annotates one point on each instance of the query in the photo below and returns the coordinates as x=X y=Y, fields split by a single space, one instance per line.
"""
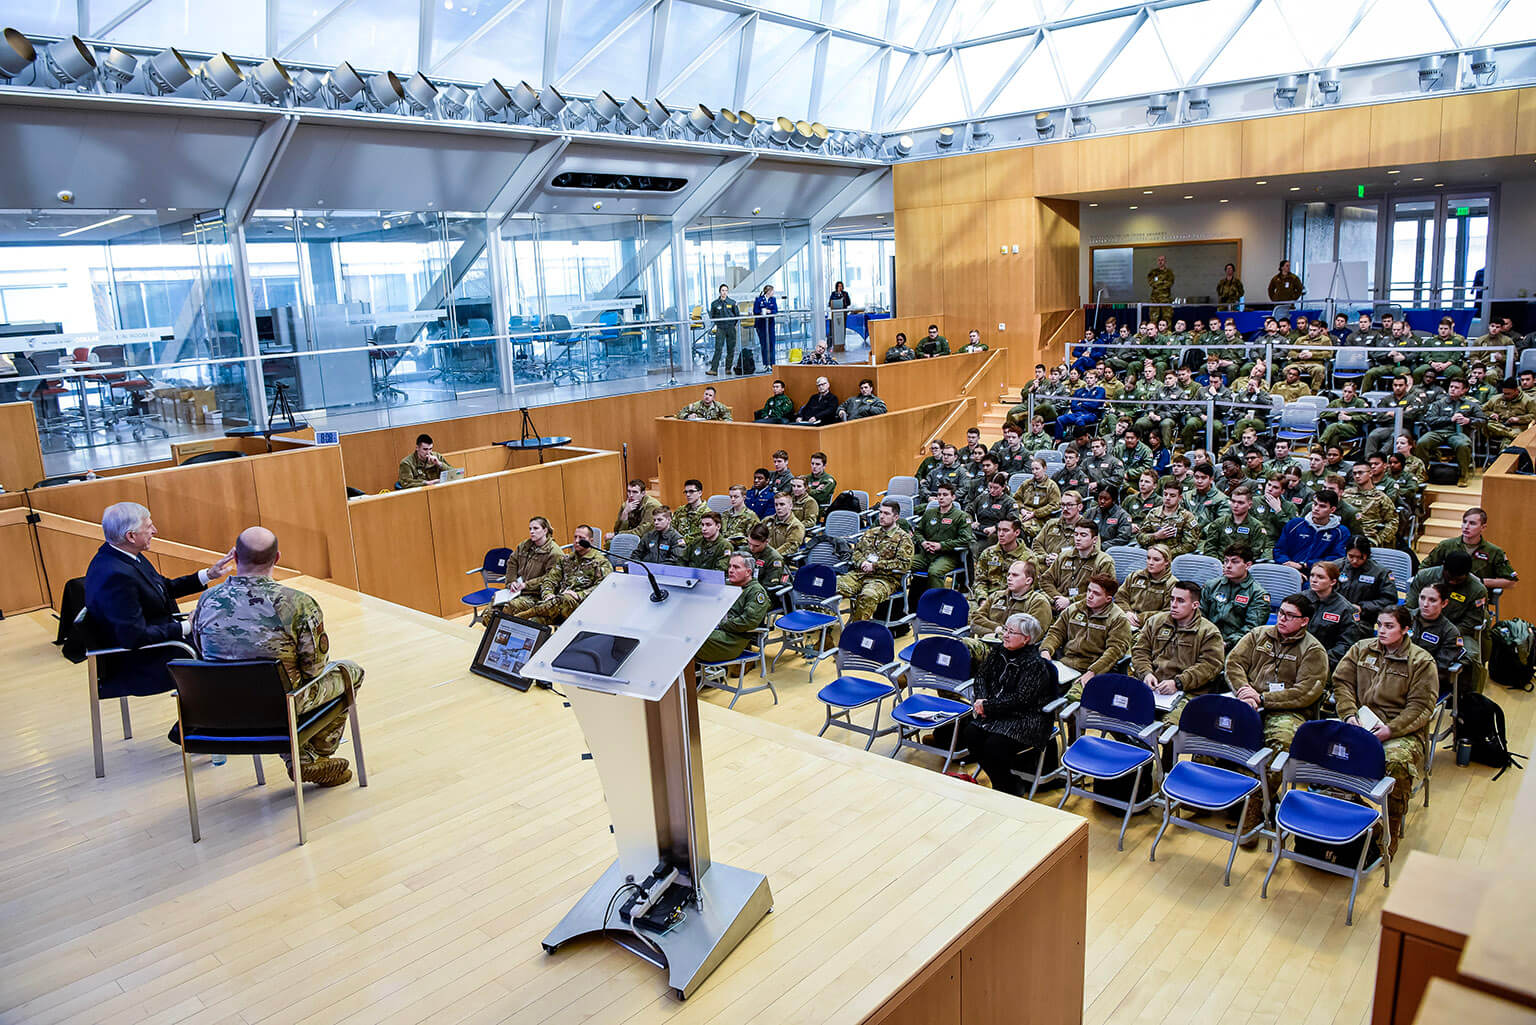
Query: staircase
x=1446 y=505
x=992 y=420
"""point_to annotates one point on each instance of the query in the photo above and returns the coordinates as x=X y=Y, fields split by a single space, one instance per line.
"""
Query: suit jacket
x=822 y=408
x=130 y=605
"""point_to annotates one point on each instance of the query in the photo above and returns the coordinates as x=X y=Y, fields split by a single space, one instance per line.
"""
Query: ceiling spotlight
x=1328 y=86
x=159 y=75
x=781 y=131
x=604 y=107
x=1157 y=108
x=1485 y=66
x=218 y=76
x=16 y=54
x=838 y=142
x=340 y=86
x=804 y=133
x=899 y=146
x=269 y=82
x=818 y=137
x=420 y=96
x=725 y=123
x=453 y=101
x=383 y=94
x=633 y=113
x=1431 y=71
x=657 y=114
x=1197 y=105
x=700 y=119
x=745 y=125
x=1286 y=87
x=981 y=136
x=525 y=98
x=68 y=62
x=1045 y=124
x=1082 y=123
x=490 y=100
x=550 y=101
x=308 y=87
x=946 y=138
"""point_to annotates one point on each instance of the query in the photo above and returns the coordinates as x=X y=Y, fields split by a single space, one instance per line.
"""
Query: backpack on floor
x=1481 y=725
x=746 y=363
x=1444 y=473
x=1512 y=654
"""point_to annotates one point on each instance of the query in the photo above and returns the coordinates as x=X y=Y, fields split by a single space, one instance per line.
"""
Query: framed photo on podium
x=506 y=647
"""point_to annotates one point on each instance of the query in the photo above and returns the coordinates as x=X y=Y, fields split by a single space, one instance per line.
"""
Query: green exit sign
x=1359 y=191
x=1462 y=211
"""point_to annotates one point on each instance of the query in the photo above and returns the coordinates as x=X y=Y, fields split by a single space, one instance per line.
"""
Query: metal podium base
x=734 y=900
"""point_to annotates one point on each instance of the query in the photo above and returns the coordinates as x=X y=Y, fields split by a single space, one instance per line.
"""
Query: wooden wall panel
x=1273 y=145
x=466 y=522
x=967 y=298
x=1213 y=152
x=1405 y=133
x=917 y=183
x=21 y=584
x=1525 y=122
x=593 y=491
x=1056 y=254
x=206 y=505
x=392 y=536
x=1103 y=163
x=1478 y=126
x=920 y=249
x=936 y=1000
x=302 y=498
x=1010 y=173
x=963 y=179
x=1011 y=278
x=924 y=381
x=539 y=491
x=1157 y=158
x=65 y=555
x=1333 y=140
x=21 y=455
x=1056 y=169
x=87 y=499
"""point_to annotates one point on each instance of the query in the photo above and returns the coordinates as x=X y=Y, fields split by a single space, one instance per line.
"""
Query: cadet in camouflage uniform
x=1066 y=578
x=880 y=557
x=1375 y=510
x=531 y=560
x=1170 y=523
x=709 y=550
x=1509 y=413
x=865 y=403
x=1229 y=290
x=685 y=518
x=252 y=616
x=567 y=585
x=1399 y=681
x=663 y=544
x=637 y=512
x=1160 y=289
x=1235 y=601
x=746 y=614
x=737 y=518
x=820 y=484
x=1178 y=651
x=1091 y=635
x=941 y=535
x=1019 y=594
x=705 y=409
x=1451 y=420
x=423 y=466
x=785 y=531
x=1145 y=591
x=990 y=570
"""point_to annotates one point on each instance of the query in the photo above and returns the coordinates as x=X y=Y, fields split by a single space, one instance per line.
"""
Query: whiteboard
x=1345 y=281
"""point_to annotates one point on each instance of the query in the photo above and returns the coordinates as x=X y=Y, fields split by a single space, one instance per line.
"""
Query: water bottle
x=219 y=759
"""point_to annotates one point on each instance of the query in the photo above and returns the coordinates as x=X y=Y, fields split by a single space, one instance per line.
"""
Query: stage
x=900 y=895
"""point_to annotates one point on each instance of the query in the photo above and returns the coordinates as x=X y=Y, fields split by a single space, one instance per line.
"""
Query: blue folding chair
x=493 y=577
x=937 y=666
x=718 y=674
x=1225 y=730
x=1128 y=559
x=1337 y=756
x=1401 y=565
x=940 y=612
x=1114 y=703
x=814 y=607
x=1350 y=364
x=866 y=648
x=1195 y=569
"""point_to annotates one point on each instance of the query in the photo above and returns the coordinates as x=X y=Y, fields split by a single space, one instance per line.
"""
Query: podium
x=619 y=660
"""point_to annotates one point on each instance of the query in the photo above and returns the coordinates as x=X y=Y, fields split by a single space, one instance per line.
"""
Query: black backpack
x=1512 y=654
x=746 y=363
x=1480 y=724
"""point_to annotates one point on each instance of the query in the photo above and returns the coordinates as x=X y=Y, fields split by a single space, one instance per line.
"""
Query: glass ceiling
x=881 y=65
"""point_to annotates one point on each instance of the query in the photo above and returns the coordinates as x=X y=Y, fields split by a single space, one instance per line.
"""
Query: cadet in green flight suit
x=941 y=536
x=820 y=484
x=746 y=614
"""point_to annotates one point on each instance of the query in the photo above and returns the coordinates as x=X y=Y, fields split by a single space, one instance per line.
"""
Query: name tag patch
x=1431 y=638
x=1330 y=617
x=1241 y=599
x=1367 y=579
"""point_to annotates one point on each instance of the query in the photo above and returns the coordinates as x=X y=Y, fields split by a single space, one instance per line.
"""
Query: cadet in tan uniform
x=1056 y=535
x=531 y=560
x=567 y=585
x=1037 y=499
x=1019 y=595
x=1509 y=413
x=880 y=557
x=638 y=510
x=1066 y=579
x=785 y=531
x=806 y=509
x=423 y=466
x=1091 y=636
x=1145 y=591
x=1178 y=651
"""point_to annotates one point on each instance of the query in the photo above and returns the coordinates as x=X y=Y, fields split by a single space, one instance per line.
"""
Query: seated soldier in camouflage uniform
x=1037 y=499
x=1399 y=682
x=737 y=518
x=1235 y=601
x=567 y=585
x=1170 y=523
x=1091 y=635
x=1179 y=651
x=252 y=616
x=710 y=549
x=685 y=518
x=531 y=560
x=736 y=631
x=1376 y=511
x=705 y=409
x=880 y=557
x=1509 y=413
x=637 y=511
x=940 y=538
x=1065 y=580
x=1145 y=591
x=662 y=545
x=785 y=531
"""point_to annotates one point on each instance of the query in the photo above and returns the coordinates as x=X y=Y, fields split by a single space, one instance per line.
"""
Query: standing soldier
x=725 y=315
x=1171 y=523
x=1229 y=290
x=1284 y=287
x=567 y=585
x=880 y=557
x=1160 y=289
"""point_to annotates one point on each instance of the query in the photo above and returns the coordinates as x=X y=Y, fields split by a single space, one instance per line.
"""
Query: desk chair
x=865 y=648
x=382 y=360
x=1117 y=706
x=133 y=386
x=217 y=455
x=718 y=674
x=493 y=576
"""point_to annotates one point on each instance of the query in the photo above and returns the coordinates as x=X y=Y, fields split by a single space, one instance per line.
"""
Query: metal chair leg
x=1279 y=850
x=261 y=776
x=297 y=766
x=1237 y=833
x=186 y=775
x=1168 y=809
x=127 y=723
x=357 y=738
x=1130 y=806
x=94 y=698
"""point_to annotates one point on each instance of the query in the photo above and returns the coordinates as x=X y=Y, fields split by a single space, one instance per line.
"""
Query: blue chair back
x=842 y=523
x=942 y=609
x=1332 y=753
x=861 y=496
x=1050 y=456
x=1219 y=726
x=1128 y=559
x=904 y=502
x=1280 y=581
x=867 y=645
x=1399 y=562
x=1016 y=481
x=495 y=565
x=821 y=553
x=718 y=503
x=942 y=663
x=901 y=486
x=814 y=583
x=1116 y=702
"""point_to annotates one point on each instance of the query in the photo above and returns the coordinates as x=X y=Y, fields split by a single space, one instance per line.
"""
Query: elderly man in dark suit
x=130 y=604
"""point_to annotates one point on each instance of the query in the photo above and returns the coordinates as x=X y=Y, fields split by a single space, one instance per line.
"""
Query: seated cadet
x=1065 y=579
x=636 y=512
x=1281 y=671
x=709 y=550
x=989 y=507
x=865 y=403
x=663 y=544
x=1509 y=413
x=974 y=343
x=1452 y=419
x=1091 y=635
x=881 y=556
x=563 y=588
x=1466 y=599
x=1179 y=651
x=1019 y=593
x=1011 y=455
x=423 y=466
x=1319 y=535
x=1146 y=498
x=1433 y=631
x=1114 y=523
x=1241 y=523
x=1335 y=621
x=1489 y=563
x=785 y=531
x=990 y=570
x=1376 y=513
x=779 y=409
x=1101 y=467
x=1056 y=535
x=705 y=409
x=531 y=560
x=933 y=458
x=806 y=508
x=901 y=351
x=1072 y=476
x=760 y=495
x=934 y=344
x=1399 y=682
x=821 y=407
x=1208 y=502
x=1145 y=591
x=1346 y=426
x=820 y=484
x=735 y=633
x=781 y=477
x=771 y=572
x=252 y=616
x=1235 y=601
x=1170 y=523
x=737 y=518
x=1037 y=437
x=941 y=536
x=1310 y=358
x=1292 y=388
x=948 y=471
x=1368 y=585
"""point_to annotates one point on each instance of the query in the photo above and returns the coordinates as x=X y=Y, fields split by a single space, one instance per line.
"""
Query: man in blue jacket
x=1317 y=537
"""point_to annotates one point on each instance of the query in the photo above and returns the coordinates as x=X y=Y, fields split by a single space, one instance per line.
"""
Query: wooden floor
x=421 y=895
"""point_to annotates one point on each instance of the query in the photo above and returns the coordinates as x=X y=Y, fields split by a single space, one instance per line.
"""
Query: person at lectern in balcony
x=567 y=585
x=746 y=614
x=253 y=616
x=422 y=467
x=821 y=408
x=131 y=605
x=726 y=318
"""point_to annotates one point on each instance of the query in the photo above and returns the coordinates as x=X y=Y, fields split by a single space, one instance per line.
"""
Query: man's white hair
x=120 y=519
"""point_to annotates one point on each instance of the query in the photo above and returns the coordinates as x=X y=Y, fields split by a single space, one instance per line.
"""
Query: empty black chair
x=245 y=708
x=215 y=456
x=53 y=482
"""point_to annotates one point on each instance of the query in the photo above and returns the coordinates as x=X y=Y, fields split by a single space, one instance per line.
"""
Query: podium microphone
x=658 y=594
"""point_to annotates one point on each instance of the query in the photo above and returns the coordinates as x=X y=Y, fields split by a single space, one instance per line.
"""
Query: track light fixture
x=1485 y=66
x=268 y=82
x=1157 y=108
x=1045 y=124
x=419 y=96
x=219 y=76
x=382 y=94
x=66 y=64
x=633 y=113
x=1286 y=88
x=16 y=54
x=1431 y=71
x=1197 y=105
x=946 y=138
x=490 y=100
x=159 y=75
x=1082 y=123
x=604 y=108
x=1328 y=86
x=453 y=102
x=981 y=136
